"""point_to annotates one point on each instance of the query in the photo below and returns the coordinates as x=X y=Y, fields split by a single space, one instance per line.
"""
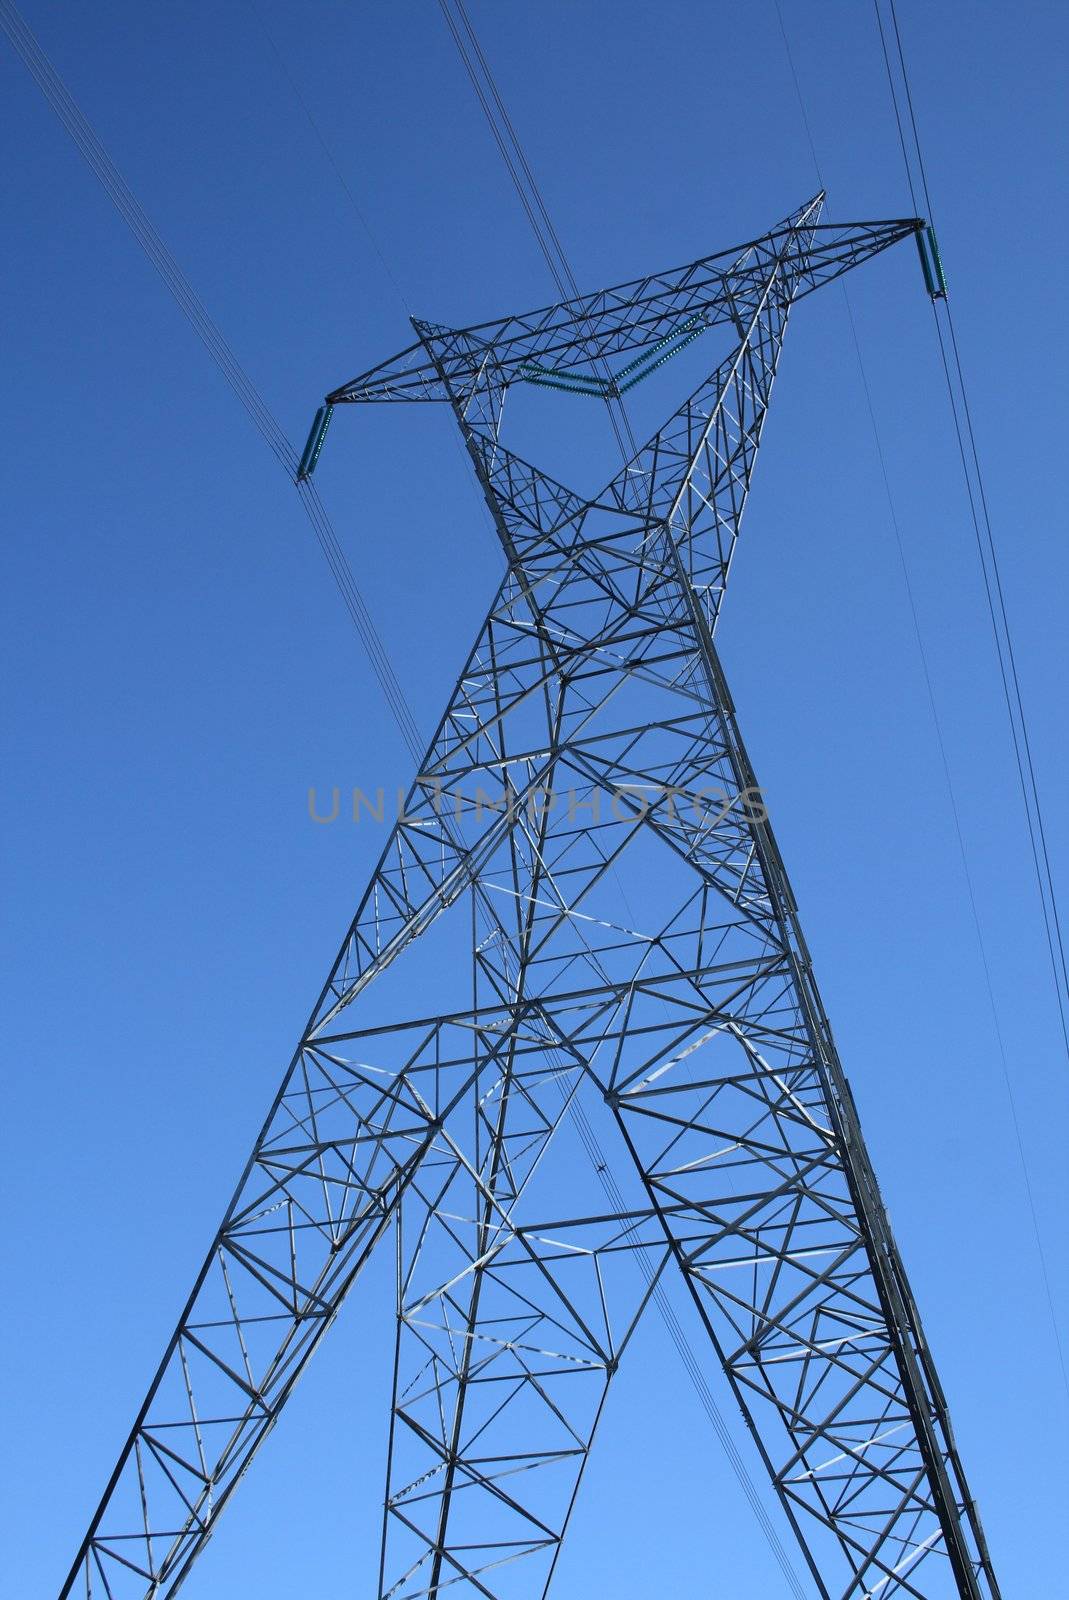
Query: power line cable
x=1004 y=648
x=937 y=723
x=986 y=549
x=89 y=144
x=801 y=98
x=530 y=196
x=332 y=160
x=366 y=228
x=970 y=889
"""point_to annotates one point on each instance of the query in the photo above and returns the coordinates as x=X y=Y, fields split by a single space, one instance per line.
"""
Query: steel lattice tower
x=499 y=992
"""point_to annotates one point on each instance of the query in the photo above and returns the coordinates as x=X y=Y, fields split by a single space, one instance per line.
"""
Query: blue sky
x=180 y=670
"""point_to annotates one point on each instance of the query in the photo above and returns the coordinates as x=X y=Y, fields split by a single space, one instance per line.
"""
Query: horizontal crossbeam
x=559 y=342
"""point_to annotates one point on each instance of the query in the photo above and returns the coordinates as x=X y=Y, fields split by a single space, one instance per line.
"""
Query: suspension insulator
x=931 y=263
x=314 y=444
x=926 y=265
x=937 y=262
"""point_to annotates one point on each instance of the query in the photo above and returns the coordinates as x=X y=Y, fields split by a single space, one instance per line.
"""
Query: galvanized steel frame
x=692 y=1026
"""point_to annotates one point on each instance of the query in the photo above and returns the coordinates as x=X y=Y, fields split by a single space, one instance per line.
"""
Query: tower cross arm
x=563 y=341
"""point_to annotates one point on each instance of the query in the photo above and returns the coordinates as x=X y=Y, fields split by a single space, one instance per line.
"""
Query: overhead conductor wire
x=932 y=703
x=986 y=548
x=130 y=209
x=528 y=191
x=1011 y=687
x=369 y=233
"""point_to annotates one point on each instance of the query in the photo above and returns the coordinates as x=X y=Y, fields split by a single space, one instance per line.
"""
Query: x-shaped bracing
x=580 y=929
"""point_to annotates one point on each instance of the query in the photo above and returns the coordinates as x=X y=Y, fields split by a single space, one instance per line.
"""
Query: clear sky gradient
x=179 y=669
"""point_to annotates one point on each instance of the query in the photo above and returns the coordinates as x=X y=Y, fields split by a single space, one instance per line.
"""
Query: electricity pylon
x=580 y=928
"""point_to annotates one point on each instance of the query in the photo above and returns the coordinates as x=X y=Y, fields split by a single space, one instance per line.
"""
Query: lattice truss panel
x=584 y=906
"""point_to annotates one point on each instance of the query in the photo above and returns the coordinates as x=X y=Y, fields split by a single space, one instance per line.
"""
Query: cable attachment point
x=931 y=262
x=314 y=445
